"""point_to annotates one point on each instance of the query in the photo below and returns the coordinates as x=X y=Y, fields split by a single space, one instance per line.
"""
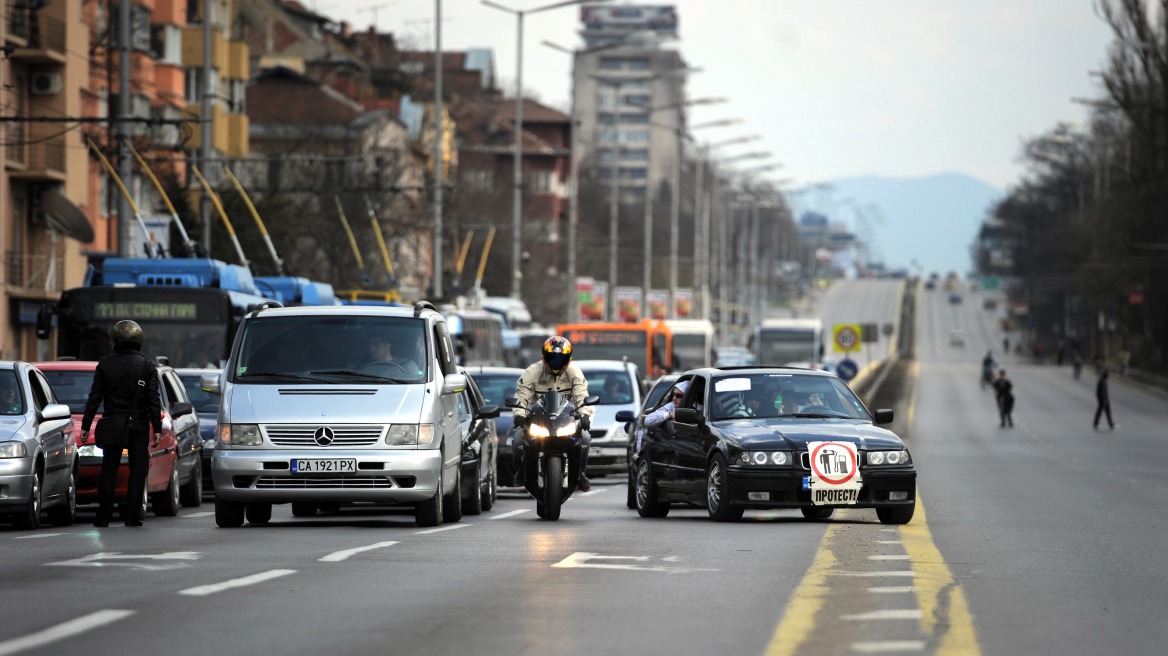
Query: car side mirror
x=884 y=416
x=487 y=412
x=181 y=408
x=55 y=411
x=209 y=383
x=625 y=416
x=453 y=384
x=687 y=416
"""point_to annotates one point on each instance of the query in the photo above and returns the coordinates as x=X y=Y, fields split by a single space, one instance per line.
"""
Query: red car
x=174 y=477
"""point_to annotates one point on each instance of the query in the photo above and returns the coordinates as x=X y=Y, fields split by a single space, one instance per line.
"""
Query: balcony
x=37 y=39
x=33 y=273
x=33 y=159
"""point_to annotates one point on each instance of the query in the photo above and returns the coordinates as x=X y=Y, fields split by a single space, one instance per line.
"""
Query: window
x=638 y=154
x=236 y=95
x=479 y=180
x=611 y=64
x=604 y=155
x=635 y=119
x=166 y=44
x=638 y=99
x=634 y=136
x=140 y=36
x=539 y=182
x=638 y=64
x=607 y=135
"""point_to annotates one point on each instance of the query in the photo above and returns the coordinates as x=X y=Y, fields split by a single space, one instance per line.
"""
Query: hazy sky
x=835 y=88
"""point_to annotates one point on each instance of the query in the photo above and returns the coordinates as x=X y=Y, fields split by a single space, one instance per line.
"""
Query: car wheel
x=488 y=501
x=191 y=494
x=429 y=512
x=648 y=503
x=229 y=514
x=166 y=502
x=258 y=513
x=124 y=507
x=472 y=500
x=329 y=506
x=717 y=493
x=818 y=512
x=303 y=509
x=452 y=504
x=64 y=514
x=896 y=514
x=631 y=500
x=29 y=518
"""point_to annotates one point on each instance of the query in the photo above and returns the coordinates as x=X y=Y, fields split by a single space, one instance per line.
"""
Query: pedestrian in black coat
x=1004 y=390
x=116 y=382
x=1103 y=396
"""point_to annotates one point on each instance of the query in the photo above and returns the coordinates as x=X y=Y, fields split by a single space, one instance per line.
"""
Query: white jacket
x=536 y=379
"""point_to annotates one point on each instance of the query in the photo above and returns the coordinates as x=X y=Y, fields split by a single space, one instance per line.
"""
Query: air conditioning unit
x=46 y=83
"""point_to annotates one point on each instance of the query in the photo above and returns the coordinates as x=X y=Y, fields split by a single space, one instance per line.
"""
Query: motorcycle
x=553 y=450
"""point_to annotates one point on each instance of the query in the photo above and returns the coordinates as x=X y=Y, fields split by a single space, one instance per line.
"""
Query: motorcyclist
x=987 y=370
x=556 y=372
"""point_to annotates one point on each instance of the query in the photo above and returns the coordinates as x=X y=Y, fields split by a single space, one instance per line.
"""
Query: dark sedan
x=480 y=448
x=774 y=438
x=207 y=408
x=653 y=400
x=496 y=384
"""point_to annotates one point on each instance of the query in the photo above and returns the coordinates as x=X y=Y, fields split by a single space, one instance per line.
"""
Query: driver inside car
x=384 y=362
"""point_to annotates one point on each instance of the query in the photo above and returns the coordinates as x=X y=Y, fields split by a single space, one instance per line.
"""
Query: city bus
x=647 y=344
x=797 y=342
x=693 y=343
x=189 y=308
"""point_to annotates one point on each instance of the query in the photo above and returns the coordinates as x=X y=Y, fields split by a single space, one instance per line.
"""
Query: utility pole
x=207 y=124
x=125 y=92
x=438 y=148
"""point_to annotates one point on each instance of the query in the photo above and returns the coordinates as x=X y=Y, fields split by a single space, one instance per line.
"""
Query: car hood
x=292 y=404
x=790 y=434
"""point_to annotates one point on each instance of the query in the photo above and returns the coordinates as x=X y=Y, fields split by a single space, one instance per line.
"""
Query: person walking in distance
x=1103 y=396
x=1004 y=390
x=116 y=383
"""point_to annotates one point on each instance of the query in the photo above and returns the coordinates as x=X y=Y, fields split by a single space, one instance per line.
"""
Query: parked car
x=771 y=438
x=617 y=384
x=496 y=384
x=38 y=450
x=207 y=408
x=480 y=448
x=174 y=476
x=654 y=398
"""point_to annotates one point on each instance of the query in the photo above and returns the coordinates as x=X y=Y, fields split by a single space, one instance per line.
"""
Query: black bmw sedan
x=773 y=438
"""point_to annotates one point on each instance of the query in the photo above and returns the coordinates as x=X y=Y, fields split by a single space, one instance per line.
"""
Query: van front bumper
x=265 y=475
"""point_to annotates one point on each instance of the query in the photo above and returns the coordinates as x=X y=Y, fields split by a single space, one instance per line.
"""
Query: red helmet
x=557 y=353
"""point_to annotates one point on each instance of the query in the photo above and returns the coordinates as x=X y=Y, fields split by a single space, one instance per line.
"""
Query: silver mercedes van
x=326 y=405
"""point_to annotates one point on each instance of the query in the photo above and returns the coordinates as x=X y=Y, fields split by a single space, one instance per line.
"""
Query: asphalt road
x=1045 y=539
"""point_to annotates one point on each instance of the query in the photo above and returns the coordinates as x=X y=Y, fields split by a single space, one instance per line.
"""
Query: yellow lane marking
x=807 y=600
x=941 y=597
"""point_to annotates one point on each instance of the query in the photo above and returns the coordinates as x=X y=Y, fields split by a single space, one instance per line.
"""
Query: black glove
x=585 y=422
x=519 y=421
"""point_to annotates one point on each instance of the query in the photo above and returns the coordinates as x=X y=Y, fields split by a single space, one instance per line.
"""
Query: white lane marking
x=905 y=614
x=204 y=590
x=338 y=556
x=38 y=535
x=889 y=557
x=888 y=542
x=909 y=573
x=442 y=528
x=883 y=646
x=118 y=559
x=194 y=515
x=582 y=560
x=591 y=492
x=511 y=513
x=890 y=589
x=63 y=630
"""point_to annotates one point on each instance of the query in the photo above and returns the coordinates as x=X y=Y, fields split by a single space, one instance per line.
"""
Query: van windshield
x=332 y=349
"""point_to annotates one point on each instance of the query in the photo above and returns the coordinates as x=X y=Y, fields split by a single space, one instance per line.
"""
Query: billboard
x=683 y=304
x=659 y=303
x=628 y=304
x=661 y=19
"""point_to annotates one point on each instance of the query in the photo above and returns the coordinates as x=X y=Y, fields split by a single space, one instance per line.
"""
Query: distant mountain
x=932 y=220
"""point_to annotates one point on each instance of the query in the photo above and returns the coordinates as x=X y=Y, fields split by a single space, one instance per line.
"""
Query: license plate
x=331 y=466
x=806 y=482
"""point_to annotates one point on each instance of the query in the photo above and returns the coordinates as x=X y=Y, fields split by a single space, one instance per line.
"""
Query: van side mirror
x=453 y=384
x=209 y=383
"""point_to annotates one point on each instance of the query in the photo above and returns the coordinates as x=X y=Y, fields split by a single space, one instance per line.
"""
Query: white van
x=317 y=410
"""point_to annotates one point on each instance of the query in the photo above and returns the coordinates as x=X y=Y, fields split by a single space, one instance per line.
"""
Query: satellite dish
x=64 y=216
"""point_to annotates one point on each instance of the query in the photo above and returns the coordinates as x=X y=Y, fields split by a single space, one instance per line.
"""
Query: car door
x=447 y=404
x=690 y=440
x=54 y=435
x=663 y=447
x=188 y=442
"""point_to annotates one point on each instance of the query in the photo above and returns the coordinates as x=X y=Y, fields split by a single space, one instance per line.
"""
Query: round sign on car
x=835 y=473
x=847 y=369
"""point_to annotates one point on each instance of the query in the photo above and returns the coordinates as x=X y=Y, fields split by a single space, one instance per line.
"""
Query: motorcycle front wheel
x=553 y=488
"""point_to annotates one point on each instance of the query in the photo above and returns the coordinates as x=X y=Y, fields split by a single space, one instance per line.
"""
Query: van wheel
x=166 y=502
x=228 y=514
x=452 y=504
x=191 y=494
x=429 y=512
x=258 y=513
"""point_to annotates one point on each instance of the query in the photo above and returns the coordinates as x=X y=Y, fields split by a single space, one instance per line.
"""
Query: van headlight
x=410 y=435
x=240 y=435
x=13 y=450
x=886 y=458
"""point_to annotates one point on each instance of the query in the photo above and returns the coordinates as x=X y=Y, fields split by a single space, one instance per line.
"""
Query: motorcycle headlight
x=13 y=450
x=535 y=430
x=567 y=430
x=885 y=458
x=240 y=434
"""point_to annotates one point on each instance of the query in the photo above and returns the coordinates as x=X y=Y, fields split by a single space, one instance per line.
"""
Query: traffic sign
x=846 y=337
x=847 y=369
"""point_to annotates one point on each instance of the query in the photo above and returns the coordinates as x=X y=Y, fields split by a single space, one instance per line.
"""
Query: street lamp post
x=702 y=211
x=517 y=168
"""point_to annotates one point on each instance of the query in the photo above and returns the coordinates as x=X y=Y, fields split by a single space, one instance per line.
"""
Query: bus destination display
x=606 y=337
x=143 y=310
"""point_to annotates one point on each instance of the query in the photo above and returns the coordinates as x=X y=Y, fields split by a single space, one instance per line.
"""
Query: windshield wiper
x=358 y=374
x=280 y=375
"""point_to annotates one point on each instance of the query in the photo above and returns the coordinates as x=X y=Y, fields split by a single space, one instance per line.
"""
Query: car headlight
x=90 y=450
x=13 y=450
x=885 y=458
x=764 y=458
x=410 y=434
x=535 y=430
x=240 y=434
